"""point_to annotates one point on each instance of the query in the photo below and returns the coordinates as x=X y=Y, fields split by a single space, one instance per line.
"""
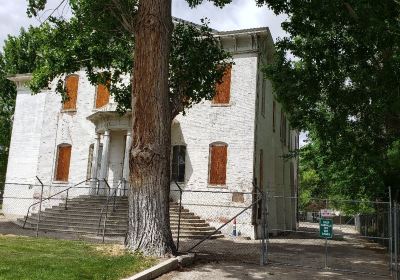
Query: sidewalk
x=240 y=271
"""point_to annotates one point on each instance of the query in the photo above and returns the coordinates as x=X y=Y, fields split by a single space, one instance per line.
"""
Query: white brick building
x=219 y=146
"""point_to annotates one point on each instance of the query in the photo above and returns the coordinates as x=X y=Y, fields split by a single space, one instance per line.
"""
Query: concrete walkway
x=240 y=271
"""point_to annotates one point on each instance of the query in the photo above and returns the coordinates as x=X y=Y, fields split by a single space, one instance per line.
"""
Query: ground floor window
x=217 y=166
x=178 y=163
x=63 y=162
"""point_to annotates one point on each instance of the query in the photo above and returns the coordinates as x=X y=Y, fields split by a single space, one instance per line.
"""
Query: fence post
x=264 y=229
x=396 y=240
x=390 y=232
x=40 y=206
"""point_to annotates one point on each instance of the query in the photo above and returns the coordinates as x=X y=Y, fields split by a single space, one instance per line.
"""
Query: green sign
x=326 y=228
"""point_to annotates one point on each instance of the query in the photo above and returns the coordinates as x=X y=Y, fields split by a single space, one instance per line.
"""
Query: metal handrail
x=179 y=216
x=50 y=197
x=105 y=207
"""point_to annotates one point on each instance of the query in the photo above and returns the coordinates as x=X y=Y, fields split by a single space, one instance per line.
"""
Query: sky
x=238 y=15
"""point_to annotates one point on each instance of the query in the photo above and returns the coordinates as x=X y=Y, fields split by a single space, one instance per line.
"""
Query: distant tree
x=337 y=74
x=18 y=56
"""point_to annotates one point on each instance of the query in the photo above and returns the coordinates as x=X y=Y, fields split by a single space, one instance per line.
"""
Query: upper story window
x=102 y=96
x=223 y=90
x=178 y=163
x=263 y=93
x=71 y=92
x=63 y=162
x=273 y=115
x=283 y=129
x=218 y=161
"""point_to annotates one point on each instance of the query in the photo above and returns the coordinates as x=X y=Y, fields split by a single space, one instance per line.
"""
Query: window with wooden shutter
x=218 y=160
x=63 y=162
x=71 y=91
x=223 y=90
x=102 y=96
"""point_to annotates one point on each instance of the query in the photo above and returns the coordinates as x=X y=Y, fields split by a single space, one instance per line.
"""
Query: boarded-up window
x=218 y=160
x=263 y=93
x=223 y=90
x=71 y=88
x=283 y=128
x=178 y=163
x=63 y=162
x=273 y=115
x=102 y=96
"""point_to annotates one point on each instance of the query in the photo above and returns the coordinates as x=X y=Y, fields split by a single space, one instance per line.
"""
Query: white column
x=93 y=182
x=104 y=162
x=125 y=171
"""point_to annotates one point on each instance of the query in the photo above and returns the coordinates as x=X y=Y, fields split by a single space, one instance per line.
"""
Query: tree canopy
x=17 y=56
x=103 y=45
x=337 y=74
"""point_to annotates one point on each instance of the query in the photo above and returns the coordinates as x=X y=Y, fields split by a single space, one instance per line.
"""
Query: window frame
x=227 y=71
x=210 y=165
x=57 y=163
x=96 y=96
x=64 y=102
x=273 y=116
x=178 y=164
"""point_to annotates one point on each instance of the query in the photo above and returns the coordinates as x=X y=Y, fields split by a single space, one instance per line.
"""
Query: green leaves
x=342 y=86
x=100 y=39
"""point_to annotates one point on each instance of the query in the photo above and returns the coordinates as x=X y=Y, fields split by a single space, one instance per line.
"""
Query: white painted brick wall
x=40 y=125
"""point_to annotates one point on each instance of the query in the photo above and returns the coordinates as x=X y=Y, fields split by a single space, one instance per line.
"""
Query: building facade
x=220 y=148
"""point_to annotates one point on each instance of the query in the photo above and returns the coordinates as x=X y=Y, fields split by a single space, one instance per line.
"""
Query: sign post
x=326 y=231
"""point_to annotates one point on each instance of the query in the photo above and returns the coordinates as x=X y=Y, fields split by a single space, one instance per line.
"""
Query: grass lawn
x=38 y=258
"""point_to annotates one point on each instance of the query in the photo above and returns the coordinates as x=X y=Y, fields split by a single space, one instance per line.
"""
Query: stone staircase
x=83 y=214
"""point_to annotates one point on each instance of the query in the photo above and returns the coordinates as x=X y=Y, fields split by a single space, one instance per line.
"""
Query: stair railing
x=48 y=198
x=112 y=196
x=179 y=215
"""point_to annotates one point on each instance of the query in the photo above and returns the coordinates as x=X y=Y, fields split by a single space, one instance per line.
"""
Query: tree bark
x=149 y=228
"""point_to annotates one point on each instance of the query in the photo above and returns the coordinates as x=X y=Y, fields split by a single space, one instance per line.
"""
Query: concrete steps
x=83 y=215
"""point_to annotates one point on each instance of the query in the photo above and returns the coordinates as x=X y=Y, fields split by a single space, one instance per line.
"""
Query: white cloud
x=238 y=15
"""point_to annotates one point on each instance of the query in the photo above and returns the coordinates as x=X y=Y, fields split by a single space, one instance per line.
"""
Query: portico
x=110 y=158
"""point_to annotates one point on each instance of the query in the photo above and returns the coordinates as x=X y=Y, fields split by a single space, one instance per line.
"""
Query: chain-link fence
x=217 y=224
x=334 y=234
x=220 y=224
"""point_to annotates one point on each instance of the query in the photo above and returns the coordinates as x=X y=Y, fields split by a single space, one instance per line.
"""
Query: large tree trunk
x=149 y=228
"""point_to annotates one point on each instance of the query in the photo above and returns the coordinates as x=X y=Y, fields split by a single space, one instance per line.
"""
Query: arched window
x=102 y=96
x=178 y=163
x=223 y=90
x=63 y=162
x=71 y=91
x=217 y=165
